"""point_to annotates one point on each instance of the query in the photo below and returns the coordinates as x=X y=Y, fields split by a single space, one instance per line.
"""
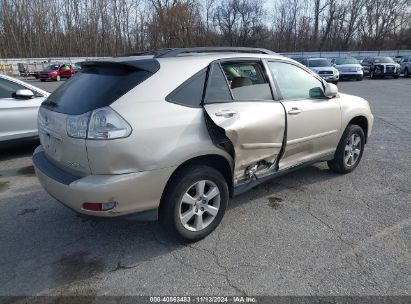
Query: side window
x=217 y=87
x=8 y=88
x=247 y=81
x=190 y=93
x=294 y=82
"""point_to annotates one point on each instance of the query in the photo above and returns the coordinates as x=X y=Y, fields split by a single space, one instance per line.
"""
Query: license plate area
x=51 y=143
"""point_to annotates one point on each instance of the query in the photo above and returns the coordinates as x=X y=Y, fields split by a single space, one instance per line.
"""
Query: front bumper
x=330 y=77
x=351 y=74
x=133 y=192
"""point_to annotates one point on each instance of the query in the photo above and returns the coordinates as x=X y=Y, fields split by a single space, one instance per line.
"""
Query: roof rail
x=174 y=52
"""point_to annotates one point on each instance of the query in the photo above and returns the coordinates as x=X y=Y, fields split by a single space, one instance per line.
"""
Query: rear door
x=239 y=100
x=313 y=120
x=18 y=117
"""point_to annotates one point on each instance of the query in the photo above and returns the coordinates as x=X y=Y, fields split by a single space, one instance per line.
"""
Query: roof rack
x=174 y=52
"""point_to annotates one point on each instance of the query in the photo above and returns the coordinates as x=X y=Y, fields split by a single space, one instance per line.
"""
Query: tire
x=396 y=76
x=334 y=82
x=42 y=80
x=344 y=163
x=372 y=76
x=359 y=78
x=186 y=183
x=406 y=73
x=58 y=78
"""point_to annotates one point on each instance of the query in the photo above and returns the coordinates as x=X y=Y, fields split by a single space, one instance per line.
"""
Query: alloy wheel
x=352 y=150
x=199 y=205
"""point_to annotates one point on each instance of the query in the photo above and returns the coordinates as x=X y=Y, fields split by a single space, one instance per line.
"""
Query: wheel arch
x=215 y=161
x=361 y=121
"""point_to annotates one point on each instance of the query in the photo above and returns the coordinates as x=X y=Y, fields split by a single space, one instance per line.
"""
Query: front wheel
x=359 y=78
x=396 y=76
x=349 y=150
x=194 y=202
x=406 y=73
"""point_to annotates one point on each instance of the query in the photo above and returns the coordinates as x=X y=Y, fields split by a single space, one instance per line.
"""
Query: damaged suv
x=174 y=134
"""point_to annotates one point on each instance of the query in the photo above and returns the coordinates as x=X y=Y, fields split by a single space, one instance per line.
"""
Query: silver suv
x=405 y=64
x=173 y=135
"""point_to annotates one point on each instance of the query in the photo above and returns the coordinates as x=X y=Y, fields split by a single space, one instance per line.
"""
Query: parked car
x=19 y=105
x=323 y=68
x=348 y=68
x=57 y=72
x=216 y=125
x=380 y=67
x=398 y=58
x=405 y=65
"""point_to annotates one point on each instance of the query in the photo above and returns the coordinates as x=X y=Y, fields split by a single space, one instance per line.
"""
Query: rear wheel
x=194 y=202
x=349 y=150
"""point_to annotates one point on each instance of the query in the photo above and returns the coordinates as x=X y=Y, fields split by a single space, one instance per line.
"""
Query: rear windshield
x=340 y=61
x=318 y=63
x=93 y=88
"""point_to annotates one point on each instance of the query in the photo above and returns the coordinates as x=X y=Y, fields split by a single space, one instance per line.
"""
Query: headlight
x=103 y=123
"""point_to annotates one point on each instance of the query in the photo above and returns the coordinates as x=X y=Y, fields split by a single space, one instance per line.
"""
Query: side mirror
x=24 y=94
x=331 y=90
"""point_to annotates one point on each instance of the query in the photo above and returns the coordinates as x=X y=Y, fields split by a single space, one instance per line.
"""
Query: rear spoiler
x=148 y=65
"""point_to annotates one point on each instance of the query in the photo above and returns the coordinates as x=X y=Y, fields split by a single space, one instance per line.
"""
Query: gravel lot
x=311 y=232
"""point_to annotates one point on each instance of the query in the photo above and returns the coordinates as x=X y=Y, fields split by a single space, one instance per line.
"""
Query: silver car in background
x=349 y=68
x=323 y=68
x=19 y=106
x=405 y=64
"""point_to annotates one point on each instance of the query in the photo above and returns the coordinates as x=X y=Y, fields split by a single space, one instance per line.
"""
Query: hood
x=388 y=63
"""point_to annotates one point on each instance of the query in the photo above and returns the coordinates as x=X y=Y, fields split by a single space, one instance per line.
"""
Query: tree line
x=49 y=28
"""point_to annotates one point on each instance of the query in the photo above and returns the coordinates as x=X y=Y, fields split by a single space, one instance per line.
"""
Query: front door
x=313 y=120
x=239 y=100
x=18 y=117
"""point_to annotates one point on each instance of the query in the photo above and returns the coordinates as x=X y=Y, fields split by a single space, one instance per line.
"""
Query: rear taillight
x=103 y=123
x=77 y=125
x=99 y=206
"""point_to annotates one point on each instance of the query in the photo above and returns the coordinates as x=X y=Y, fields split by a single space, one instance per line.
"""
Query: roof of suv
x=205 y=53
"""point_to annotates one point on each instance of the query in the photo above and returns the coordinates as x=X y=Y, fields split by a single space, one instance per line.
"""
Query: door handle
x=295 y=111
x=226 y=113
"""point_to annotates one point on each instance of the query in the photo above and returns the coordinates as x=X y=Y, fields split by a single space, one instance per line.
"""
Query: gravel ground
x=311 y=232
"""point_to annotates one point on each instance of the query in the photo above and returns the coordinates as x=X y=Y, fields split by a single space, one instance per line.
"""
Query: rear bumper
x=132 y=192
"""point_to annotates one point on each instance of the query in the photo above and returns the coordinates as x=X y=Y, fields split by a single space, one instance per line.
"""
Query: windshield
x=53 y=67
x=383 y=60
x=318 y=63
x=340 y=61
